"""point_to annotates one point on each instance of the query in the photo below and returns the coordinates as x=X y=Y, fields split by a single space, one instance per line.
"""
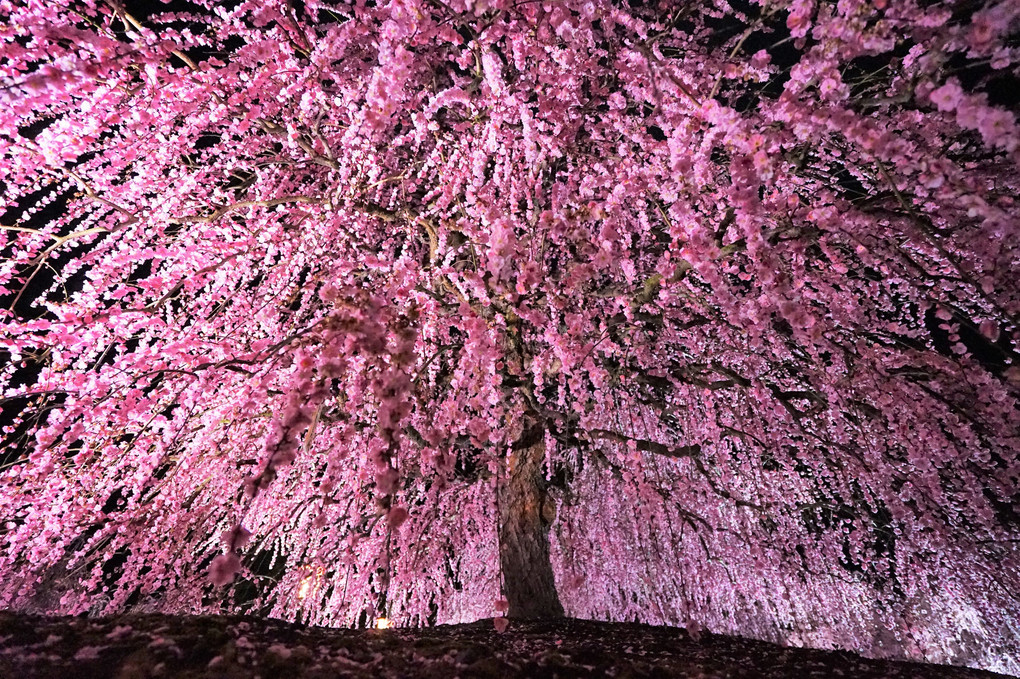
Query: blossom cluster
x=284 y=288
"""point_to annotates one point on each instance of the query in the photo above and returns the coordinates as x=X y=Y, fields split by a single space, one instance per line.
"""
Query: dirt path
x=142 y=646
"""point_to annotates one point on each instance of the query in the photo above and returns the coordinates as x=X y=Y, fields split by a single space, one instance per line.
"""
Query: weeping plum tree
x=698 y=313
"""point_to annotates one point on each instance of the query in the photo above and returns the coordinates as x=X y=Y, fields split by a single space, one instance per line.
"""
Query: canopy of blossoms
x=285 y=285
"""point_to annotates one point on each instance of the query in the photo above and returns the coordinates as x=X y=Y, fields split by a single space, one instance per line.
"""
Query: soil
x=143 y=646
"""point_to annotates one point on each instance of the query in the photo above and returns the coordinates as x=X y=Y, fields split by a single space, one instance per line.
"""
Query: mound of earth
x=143 y=646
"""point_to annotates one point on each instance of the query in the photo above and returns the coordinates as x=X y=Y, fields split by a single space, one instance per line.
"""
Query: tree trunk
x=528 y=580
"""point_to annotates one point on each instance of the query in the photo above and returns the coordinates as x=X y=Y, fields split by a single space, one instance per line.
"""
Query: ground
x=142 y=646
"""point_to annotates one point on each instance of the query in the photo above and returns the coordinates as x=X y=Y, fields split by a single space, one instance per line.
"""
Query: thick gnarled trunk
x=529 y=585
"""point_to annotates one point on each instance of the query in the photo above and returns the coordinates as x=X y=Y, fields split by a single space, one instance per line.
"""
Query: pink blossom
x=223 y=569
x=236 y=538
x=396 y=517
x=998 y=127
x=947 y=97
x=386 y=481
x=760 y=59
x=990 y=329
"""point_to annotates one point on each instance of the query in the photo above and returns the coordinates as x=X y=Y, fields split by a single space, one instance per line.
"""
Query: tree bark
x=529 y=585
